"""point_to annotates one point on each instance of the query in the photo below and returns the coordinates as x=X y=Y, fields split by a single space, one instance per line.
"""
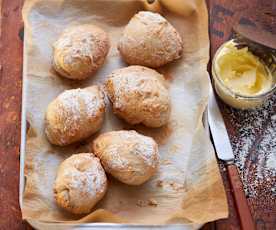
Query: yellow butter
x=241 y=71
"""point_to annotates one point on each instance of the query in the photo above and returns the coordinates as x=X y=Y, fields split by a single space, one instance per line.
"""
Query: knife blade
x=225 y=153
x=219 y=133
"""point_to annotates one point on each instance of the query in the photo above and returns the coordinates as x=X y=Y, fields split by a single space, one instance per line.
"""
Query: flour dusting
x=88 y=182
x=254 y=146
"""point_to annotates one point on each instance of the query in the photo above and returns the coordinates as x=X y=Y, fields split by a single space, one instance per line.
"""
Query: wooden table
x=223 y=14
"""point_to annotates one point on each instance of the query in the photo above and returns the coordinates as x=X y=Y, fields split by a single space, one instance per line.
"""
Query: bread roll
x=129 y=156
x=75 y=115
x=150 y=40
x=80 y=183
x=138 y=95
x=80 y=51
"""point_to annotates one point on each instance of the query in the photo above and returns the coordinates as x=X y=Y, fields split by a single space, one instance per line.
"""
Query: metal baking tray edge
x=102 y=226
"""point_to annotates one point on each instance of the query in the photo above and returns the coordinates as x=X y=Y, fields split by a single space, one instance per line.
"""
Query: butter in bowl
x=241 y=79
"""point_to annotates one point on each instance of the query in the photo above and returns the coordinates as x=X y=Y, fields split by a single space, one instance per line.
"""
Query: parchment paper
x=188 y=187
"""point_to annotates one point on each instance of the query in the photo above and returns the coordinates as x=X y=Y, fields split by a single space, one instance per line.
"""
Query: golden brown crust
x=150 y=40
x=80 y=183
x=74 y=115
x=80 y=51
x=139 y=95
x=129 y=156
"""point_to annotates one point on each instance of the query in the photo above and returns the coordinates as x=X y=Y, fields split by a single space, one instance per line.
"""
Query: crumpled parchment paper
x=188 y=187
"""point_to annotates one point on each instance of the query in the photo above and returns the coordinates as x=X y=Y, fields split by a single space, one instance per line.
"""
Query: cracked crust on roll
x=74 y=115
x=80 y=51
x=139 y=95
x=150 y=40
x=130 y=157
x=80 y=183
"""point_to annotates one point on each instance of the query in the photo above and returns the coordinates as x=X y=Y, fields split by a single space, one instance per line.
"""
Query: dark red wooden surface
x=223 y=14
x=10 y=107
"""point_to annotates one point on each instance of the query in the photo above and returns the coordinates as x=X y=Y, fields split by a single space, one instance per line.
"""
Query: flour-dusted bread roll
x=75 y=115
x=139 y=95
x=80 y=183
x=80 y=51
x=150 y=40
x=129 y=156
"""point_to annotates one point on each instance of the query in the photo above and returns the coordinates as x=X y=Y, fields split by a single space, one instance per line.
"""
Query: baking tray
x=51 y=225
x=103 y=226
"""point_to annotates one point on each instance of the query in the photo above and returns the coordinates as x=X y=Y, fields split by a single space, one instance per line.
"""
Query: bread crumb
x=141 y=203
x=177 y=186
x=152 y=202
x=159 y=183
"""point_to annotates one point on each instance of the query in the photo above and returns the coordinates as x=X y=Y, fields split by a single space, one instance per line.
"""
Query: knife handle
x=245 y=217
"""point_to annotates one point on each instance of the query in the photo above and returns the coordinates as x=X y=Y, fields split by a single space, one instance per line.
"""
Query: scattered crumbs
x=254 y=146
x=176 y=186
x=149 y=202
x=159 y=183
x=152 y=202
x=141 y=203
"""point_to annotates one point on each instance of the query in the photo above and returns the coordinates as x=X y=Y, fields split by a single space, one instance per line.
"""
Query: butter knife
x=225 y=153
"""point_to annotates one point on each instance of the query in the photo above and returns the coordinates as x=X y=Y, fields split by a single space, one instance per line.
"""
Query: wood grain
x=241 y=204
x=11 y=60
x=10 y=106
x=223 y=14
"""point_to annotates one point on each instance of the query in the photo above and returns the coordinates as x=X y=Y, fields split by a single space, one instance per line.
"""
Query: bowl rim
x=231 y=92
